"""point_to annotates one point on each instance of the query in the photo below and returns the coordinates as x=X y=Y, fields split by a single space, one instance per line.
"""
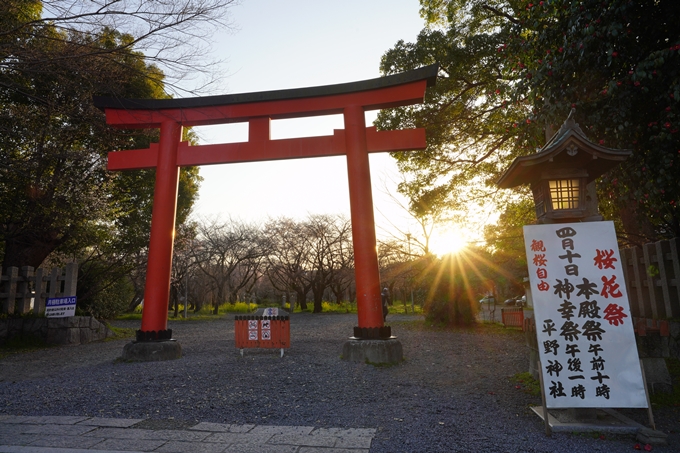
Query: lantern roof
x=568 y=149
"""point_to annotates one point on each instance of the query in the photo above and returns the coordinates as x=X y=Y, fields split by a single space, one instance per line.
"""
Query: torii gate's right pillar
x=372 y=340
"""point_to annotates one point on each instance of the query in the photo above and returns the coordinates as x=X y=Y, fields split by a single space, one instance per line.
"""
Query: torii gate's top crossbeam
x=258 y=109
x=391 y=91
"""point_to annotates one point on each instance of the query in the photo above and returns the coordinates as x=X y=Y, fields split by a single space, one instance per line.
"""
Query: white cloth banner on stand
x=586 y=341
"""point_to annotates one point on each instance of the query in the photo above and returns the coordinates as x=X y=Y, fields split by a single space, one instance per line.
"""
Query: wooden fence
x=653 y=279
x=513 y=317
x=21 y=289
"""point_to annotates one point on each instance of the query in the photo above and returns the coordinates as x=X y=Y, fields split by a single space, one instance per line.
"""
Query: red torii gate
x=258 y=109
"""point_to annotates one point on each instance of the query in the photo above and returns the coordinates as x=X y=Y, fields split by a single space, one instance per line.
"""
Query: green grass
x=120 y=333
x=326 y=307
x=398 y=308
x=331 y=307
x=528 y=383
x=347 y=307
x=205 y=314
x=382 y=365
x=22 y=343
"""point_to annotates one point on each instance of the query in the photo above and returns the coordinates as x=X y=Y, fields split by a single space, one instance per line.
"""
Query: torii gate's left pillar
x=154 y=339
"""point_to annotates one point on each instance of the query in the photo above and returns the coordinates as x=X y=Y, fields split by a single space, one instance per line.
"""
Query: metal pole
x=413 y=307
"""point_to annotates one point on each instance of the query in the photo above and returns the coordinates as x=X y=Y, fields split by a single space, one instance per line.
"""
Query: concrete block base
x=152 y=351
x=606 y=421
x=657 y=375
x=387 y=351
x=649 y=436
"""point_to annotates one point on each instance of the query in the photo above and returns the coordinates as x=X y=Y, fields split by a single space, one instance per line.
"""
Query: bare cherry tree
x=396 y=269
x=183 y=264
x=329 y=241
x=231 y=255
x=173 y=35
x=288 y=258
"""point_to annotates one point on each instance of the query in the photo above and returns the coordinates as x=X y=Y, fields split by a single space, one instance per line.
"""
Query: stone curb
x=30 y=434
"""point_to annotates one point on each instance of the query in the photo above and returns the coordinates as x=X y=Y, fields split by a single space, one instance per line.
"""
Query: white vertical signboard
x=585 y=332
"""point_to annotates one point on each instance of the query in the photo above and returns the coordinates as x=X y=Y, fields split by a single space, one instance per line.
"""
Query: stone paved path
x=22 y=434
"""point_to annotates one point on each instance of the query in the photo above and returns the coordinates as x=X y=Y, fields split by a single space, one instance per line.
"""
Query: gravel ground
x=452 y=393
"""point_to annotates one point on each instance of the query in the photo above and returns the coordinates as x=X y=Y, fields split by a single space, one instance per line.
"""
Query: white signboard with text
x=60 y=307
x=271 y=311
x=586 y=341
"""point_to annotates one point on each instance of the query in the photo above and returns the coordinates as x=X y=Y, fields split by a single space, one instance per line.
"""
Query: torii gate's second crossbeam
x=258 y=109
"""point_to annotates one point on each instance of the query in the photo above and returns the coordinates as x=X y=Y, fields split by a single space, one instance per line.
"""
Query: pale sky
x=292 y=44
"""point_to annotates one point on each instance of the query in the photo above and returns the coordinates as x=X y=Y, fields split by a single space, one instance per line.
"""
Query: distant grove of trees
x=306 y=262
x=284 y=259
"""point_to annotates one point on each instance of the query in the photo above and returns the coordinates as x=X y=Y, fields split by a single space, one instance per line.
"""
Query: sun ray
x=450 y=241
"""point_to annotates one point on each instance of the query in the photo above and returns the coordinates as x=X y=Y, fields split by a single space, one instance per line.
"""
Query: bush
x=455 y=312
x=101 y=294
x=111 y=301
x=451 y=300
x=239 y=307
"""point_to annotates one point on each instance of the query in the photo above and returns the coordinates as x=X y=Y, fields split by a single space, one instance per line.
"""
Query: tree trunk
x=27 y=250
x=318 y=300
x=301 y=299
x=390 y=288
x=217 y=300
x=136 y=300
x=172 y=297
x=176 y=314
x=338 y=292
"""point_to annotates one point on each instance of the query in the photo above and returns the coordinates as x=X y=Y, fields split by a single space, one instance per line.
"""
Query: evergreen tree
x=511 y=71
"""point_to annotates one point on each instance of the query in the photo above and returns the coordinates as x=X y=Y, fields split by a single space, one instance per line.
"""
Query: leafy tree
x=453 y=283
x=53 y=179
x=505 y=243
x=101 y=294
x=510 y=73
x=54 y=56
x=617 y=64
x=472 y=127
x=55 y=192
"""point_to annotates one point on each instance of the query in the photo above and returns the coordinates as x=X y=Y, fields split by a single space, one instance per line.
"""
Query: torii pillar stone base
x=378 y=352
x=152 y=351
